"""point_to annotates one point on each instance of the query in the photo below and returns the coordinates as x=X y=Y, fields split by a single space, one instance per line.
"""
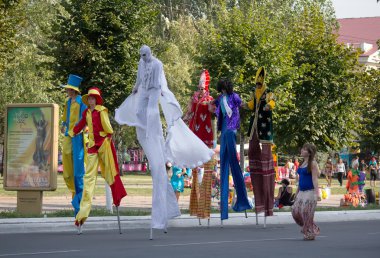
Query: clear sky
x=356 y=8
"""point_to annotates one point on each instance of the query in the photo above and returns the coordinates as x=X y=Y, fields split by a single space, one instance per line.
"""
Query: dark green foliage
x=100 y=41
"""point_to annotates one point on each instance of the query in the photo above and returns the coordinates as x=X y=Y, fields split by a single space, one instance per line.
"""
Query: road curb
x=36 y=225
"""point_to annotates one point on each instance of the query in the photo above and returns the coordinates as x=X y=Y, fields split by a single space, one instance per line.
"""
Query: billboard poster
x=31 y=147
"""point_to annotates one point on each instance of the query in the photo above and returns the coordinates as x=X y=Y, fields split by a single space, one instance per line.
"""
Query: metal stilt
x=257 y=219
x=199 y=220
x=79 y=229
x=151 y=234
x=246 y=215
x=221 y=223
x=208 y=222
x=265 y=221
x=118 y=218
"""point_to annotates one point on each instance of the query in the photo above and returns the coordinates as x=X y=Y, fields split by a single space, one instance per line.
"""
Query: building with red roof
x=362 y=33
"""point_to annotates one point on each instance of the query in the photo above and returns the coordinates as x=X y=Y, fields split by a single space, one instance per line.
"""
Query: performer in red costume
x=198 y=117
x=101 y=152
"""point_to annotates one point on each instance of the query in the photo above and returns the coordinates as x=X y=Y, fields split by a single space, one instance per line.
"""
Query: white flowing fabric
x=182 y=147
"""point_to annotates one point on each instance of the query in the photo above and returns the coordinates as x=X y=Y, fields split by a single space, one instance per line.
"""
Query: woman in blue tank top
x=307 y=193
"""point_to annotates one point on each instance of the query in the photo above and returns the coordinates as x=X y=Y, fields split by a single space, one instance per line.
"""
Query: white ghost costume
x=182 y=147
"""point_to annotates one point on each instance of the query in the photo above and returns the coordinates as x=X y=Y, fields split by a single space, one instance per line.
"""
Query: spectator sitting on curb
x=285 y=194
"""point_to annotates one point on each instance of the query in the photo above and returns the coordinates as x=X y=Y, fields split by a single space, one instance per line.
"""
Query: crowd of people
x=336 y=167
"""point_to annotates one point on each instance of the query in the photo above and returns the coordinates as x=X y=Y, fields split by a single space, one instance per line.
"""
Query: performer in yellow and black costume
x=260 y=145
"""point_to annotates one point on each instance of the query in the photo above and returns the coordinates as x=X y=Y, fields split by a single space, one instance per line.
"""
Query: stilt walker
x=182 y=148
x=198 y=117
x=260 y=146
x=227 y=111
x=73 y=147
x=101 y=152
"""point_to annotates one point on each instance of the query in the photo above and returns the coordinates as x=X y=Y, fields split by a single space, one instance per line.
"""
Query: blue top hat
x=73 y=82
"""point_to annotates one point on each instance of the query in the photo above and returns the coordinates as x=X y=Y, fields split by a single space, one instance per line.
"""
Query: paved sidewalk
x=56 y=203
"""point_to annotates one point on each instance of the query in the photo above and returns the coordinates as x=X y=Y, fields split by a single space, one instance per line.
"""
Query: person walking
x=296 y=164
x=340 y=170
x=328 y=171
x=307 y=193
x=373 y=166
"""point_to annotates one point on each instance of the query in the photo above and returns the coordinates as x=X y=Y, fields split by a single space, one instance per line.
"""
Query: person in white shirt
x=341 y=170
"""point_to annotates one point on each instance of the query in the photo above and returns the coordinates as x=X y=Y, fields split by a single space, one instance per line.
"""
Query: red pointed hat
x=93 y=92
x=204 y=81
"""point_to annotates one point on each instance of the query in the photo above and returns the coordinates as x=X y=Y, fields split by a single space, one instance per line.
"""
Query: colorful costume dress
x=260 y=132
x=200 y=123
x=73 y=147
x=101 y=152
x=353 y=186
x=227 y=111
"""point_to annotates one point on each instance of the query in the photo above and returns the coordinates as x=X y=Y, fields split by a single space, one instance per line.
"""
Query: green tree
x=177 y=9
x=177 y=47
x=307 y=69
x=12 y=17
x=27 y=77
x=100 y=41
x=323 y=92
x=369 y=86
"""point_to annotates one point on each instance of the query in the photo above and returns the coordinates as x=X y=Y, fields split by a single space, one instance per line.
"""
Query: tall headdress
x=204 y=81
x=260 y=75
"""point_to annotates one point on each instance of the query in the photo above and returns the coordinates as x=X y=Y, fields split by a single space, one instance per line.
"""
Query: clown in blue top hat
x=73 y=82
x=73 y=152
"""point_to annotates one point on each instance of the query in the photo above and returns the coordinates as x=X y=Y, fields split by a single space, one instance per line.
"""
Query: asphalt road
x=342 y=239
